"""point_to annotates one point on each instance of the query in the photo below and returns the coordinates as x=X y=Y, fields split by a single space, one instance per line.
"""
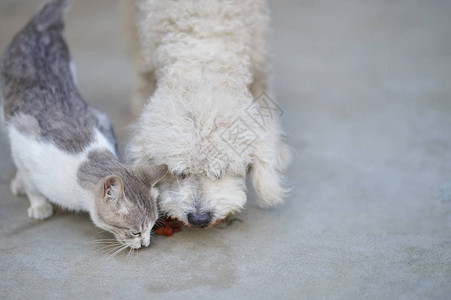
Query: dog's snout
x=200 y=220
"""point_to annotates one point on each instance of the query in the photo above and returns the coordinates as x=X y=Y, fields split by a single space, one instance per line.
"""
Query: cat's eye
x=135 y=233
x=182 y=175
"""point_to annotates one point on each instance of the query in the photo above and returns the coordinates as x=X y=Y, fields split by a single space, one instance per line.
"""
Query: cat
x=64 y=150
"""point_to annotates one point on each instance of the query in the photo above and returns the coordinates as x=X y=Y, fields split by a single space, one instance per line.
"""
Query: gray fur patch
x=27 y=125
x=101 y=164
x=36 y=80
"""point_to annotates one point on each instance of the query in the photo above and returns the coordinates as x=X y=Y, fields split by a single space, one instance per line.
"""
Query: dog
x=203 y=68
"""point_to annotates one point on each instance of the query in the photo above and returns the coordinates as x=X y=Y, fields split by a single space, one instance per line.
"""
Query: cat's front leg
x=40 y=208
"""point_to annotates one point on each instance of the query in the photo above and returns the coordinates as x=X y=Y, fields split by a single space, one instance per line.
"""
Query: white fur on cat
x=55 y=173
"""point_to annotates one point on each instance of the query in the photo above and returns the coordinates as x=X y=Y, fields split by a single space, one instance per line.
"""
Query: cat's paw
x=17 y=187
x=40 y=212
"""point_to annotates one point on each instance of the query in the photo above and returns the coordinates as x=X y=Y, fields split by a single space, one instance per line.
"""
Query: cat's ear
x=153 y=173
x=113 y=188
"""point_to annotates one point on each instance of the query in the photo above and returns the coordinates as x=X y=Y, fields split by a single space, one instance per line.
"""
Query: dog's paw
x=40 y=212
x=17 y=187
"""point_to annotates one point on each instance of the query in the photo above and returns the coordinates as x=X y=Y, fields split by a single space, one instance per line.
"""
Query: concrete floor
x=366 y=91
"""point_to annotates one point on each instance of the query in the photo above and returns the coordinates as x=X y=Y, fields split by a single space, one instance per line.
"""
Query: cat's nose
x=200 y=219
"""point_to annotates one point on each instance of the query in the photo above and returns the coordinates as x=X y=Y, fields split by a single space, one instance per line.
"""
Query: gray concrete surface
x=366 y=90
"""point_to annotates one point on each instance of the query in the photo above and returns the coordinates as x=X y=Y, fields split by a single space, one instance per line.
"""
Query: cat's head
x=125 y=204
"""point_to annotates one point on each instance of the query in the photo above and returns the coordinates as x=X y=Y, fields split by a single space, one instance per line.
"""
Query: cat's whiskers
x=102 y=240
x=112 y=249
x=118 y=251
x=130 y=254
x=108 y=247
x=106 y=242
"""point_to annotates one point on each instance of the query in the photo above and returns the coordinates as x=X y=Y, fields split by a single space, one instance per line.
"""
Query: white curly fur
x=201 y=65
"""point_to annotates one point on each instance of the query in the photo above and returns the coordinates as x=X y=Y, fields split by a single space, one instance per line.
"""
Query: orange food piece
x=168 y=227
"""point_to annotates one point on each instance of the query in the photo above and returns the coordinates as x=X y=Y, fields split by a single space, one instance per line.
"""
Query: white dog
x=203 y=65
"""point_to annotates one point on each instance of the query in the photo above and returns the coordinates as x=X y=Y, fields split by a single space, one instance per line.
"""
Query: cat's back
x=40 y=96
x=35 y=67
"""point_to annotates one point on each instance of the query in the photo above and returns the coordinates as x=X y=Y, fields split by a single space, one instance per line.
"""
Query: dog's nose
x=200 y=220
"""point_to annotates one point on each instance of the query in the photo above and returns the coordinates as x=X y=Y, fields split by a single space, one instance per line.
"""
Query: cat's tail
x=51 y=14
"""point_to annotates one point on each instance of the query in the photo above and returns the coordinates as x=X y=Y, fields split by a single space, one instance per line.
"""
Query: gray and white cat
x=65 y=151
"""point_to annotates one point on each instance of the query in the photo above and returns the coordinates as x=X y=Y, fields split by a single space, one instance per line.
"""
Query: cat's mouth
x=131 y=243
x=134 y=244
